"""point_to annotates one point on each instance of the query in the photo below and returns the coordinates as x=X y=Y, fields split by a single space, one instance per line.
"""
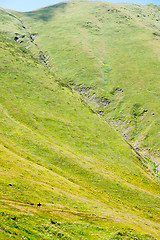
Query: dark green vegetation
x=54 y=148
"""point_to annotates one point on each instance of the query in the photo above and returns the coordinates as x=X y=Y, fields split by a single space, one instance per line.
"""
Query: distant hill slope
x=110 y=53
x=56 y=151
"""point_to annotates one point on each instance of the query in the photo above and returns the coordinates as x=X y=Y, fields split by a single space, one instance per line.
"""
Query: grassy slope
x=108 y=46
x=55 y=150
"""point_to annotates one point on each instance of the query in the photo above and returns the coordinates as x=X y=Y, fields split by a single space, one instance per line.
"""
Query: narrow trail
x=25 y=208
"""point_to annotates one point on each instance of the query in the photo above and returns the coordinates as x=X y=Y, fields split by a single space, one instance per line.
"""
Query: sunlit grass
x=57 y=152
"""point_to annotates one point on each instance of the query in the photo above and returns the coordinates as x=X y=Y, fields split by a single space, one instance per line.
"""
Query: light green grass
x=57 y=151
x=107 y=46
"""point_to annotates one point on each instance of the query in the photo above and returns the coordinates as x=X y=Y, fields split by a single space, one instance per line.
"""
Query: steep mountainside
x=110 y=53
x=57 y=151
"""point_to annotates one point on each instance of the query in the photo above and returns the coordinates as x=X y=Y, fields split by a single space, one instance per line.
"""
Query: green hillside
x=112 y=53
x=55 y=149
